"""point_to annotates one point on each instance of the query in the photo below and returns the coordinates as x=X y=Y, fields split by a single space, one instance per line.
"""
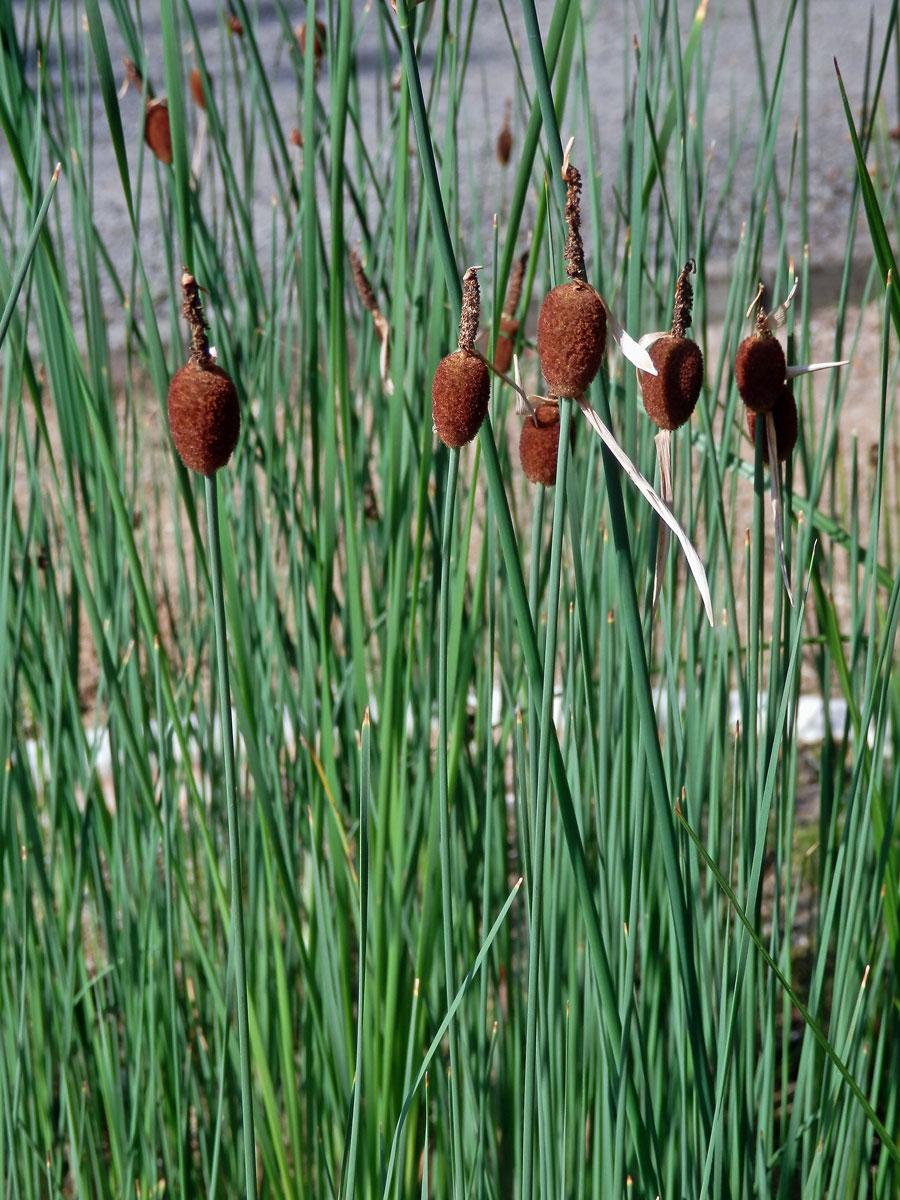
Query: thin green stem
x=444 y=803
x=234 y=845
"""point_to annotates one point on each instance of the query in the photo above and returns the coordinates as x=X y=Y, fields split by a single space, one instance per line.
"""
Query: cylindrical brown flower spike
x=760 y=368
x=787 y=426
x=571 y=332
x=504 y=140
x=204 y=414
x=539 y=444
x=671 y=395
x=462 y=386
x=509 y=326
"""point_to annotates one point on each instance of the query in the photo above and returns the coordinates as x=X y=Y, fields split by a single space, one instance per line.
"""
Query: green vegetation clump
x=373 y=824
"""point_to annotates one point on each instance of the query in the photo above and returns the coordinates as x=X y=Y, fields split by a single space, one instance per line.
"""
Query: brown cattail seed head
x=204 y=414
x=197 y=88
x=539 y=444
x=204 y=417
x=459 y=397
x=571 y=337
x=319 y=42
x=671 y=395
x=504 y=141
x=506 y=338
x=784 y=414
x=157 y=133
x=759 y=371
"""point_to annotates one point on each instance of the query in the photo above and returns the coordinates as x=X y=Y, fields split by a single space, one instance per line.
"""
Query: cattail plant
x=509 y=326
x=572 y=329
x=461 y=387
x=571 y=332
x=671 y=395
x=157 y=132
x=319 y=34
x=204 y=420
x=504 y=139
x=761 y=372
x=539 y=444
x=196 y=84
x=366 y=294
x=204 y=414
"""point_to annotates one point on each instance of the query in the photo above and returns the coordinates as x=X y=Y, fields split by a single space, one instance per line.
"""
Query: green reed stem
x=444 y=803
x=643 y=695
x=234 y=845
x=548 y=734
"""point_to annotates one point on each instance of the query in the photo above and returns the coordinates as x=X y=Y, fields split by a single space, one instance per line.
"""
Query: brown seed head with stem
x=203 y=409
x=571 y=334
x=760 y=367
x=157 y=131
x=461 y=387
x=671 y=395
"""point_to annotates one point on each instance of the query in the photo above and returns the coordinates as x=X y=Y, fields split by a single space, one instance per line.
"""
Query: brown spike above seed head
x=574 y=251
x=470 y=311
x=760 y=370
x=671 y=395
x=203 y=409
x=683 y=309
x=787 y=425
x=509 y=326
x=539 y=444
x=571 y=337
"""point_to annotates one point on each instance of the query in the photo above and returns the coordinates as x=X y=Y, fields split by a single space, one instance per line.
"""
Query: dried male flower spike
x=382 y=328
x=504 y=140
x=571 y=332
x=539 y=444
x=786 y=421
x=461 y=387
x=204 y=414
x=509 y=326
x=671 y=395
